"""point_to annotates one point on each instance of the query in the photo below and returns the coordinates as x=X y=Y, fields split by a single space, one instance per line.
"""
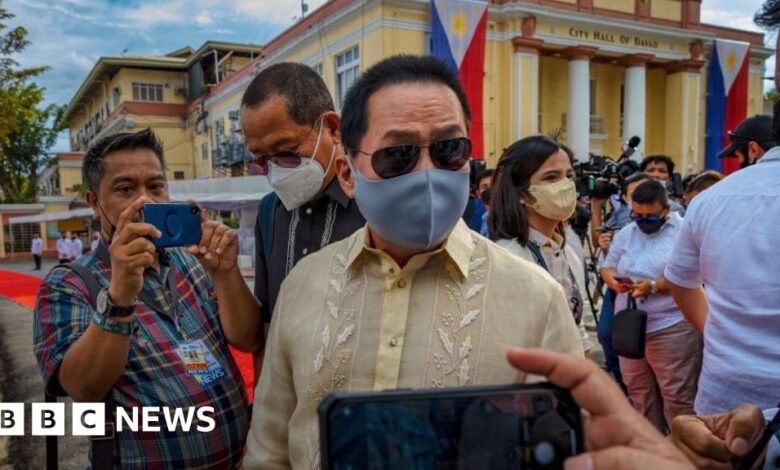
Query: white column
x=526 y=108
x=578 y=115
x=519 y=95
x=635 y=106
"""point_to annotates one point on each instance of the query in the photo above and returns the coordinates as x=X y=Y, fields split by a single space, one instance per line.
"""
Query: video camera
x=601 y=177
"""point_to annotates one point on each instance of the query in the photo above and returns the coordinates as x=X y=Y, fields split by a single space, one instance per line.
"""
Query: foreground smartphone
x=496 y=427
x=178 y=223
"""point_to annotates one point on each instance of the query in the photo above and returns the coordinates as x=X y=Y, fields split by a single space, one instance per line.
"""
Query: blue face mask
x=415 y=211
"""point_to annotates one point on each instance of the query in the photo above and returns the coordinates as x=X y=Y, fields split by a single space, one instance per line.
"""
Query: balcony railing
x=598 y=125
x=229 y=155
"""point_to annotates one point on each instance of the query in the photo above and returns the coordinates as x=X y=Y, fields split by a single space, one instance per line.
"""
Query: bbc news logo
x=89 y=419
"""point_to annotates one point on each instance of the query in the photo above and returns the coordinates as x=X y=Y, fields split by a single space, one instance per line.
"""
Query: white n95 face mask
x=297 y=186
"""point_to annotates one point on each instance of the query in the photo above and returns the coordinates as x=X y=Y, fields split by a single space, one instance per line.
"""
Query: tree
x=24 y=153
x=27 y=129
x=12 y=77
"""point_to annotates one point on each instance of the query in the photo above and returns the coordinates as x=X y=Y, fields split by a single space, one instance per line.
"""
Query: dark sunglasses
x=450 y=154
x=282 y=158
x=650 y=219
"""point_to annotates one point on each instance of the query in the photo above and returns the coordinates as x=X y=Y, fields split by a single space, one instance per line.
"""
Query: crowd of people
x=381 y=264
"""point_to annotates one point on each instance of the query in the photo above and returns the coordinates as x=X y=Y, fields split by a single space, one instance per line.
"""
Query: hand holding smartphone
x=179 y=223
x=494 y=427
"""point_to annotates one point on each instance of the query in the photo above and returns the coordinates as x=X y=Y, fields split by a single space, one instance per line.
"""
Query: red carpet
x=22 y=289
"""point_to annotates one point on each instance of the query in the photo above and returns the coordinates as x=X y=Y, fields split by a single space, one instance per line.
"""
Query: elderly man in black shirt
x=292 y=131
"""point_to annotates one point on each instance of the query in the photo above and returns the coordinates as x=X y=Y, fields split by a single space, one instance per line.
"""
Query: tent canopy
x=242 y=192
x=52 y=216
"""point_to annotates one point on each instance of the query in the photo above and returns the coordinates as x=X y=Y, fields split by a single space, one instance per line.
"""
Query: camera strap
x=575 y=302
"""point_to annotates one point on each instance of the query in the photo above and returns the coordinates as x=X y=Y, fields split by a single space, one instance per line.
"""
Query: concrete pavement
x=20 y=381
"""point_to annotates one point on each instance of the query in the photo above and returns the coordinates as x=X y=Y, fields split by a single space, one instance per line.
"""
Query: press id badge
x=199 y=362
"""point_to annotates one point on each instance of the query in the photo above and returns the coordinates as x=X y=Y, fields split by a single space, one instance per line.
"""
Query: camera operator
x=619 y=218
x=621 y=215
x=661 y=169
x=663 y=383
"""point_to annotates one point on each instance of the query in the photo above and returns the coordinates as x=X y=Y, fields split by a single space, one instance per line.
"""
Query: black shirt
x=329 y=218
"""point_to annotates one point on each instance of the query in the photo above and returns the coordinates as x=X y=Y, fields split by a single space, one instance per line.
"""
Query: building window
x=116 y=94
x=147 y=92
x=318 y=68
x=204 y=152
x=347 y=70
x=178 y=175
x=592 y=97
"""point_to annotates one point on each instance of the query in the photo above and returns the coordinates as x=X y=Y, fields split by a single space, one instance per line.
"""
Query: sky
x=71 y=35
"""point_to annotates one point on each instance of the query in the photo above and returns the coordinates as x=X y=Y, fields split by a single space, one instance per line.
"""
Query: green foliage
x=12 y=78
x=27 y=129
x=24 y=152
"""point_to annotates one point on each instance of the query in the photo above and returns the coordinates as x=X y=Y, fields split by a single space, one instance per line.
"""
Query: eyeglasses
x=282 y=158
x=450 y=154
x=649 y=219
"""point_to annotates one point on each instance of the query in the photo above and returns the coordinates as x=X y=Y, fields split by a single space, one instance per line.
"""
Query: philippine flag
x=727 y=100
x=458 y=33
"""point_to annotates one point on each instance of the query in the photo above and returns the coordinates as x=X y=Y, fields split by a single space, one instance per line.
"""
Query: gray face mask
x=415 y=211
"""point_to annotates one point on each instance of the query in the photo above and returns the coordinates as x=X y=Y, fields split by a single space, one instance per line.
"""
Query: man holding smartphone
x=152 y=307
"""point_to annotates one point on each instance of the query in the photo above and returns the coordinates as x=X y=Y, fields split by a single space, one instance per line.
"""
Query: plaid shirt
x=154 y=375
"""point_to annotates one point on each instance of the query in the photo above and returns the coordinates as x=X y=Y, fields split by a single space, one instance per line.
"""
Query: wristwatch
x=653 y=287
x=107 y=309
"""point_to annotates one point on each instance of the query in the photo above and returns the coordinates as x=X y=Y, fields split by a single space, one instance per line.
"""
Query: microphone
x=630 y=147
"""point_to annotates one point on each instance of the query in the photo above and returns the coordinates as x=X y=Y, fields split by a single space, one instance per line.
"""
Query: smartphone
x=179 y=223
x=492 y=428
x=624 y=280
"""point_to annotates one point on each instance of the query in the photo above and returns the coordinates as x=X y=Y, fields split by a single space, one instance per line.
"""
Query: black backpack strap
x=89 y=280
x=102 y=447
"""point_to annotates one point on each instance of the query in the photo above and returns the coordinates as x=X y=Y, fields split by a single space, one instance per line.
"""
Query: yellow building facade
x=595 y=72
x=128 y=94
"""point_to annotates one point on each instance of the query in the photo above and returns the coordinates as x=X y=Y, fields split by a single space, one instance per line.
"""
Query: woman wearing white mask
x=533 y=194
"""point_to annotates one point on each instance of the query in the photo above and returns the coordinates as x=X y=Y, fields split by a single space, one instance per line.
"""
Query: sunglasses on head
x=450 y=154
x=282 y=158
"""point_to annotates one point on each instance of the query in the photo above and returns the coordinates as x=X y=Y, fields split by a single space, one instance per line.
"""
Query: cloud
x=272 y=11
x=159 y=13
x=204 y=19
x=739 y=19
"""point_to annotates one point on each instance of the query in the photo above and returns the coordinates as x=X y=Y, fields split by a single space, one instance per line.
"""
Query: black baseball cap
x=757 y=128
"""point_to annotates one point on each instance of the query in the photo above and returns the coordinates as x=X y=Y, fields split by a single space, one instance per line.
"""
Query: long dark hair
x=508 y=218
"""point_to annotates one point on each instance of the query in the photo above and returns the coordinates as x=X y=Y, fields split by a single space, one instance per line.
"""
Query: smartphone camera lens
x=195 y=211
x=544 y=453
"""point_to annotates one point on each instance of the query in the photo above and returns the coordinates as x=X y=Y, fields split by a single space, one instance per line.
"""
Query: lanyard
x=172 y=296
x=575 y=302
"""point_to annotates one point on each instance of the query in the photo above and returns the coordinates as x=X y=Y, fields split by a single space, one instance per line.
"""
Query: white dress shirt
x=637 y=255
x=728 y=242
x=37 y=246
x=63 y=248
x=76 y=248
